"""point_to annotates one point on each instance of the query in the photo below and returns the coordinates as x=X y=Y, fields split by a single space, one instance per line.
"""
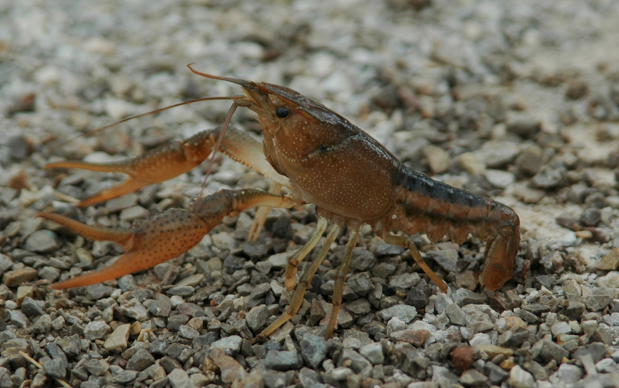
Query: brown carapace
x=322 y=159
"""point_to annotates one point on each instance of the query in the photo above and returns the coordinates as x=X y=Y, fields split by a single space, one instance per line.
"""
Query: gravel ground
x=518 y=100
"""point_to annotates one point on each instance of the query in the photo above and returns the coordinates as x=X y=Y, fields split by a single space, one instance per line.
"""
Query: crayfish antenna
x=143 y=115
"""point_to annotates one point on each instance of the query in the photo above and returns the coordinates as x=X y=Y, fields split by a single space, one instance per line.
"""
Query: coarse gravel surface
x=518 y=100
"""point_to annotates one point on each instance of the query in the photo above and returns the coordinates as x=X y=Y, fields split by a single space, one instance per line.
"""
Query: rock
x=389 y=250
x=141 y=360
x=404 y=281
x=495 y=373
x=519 y=378
x=19 y=276
x=178 y=378
x=282 y=360
x=568 y=373
x=98 y=291
x=560 y=328
x=314 y=349
x=54 y=368
x=610 y=280
x=122 y=202
x=362 y=259
x=497 y=154
x=493 y=351
x=597 y=351
x=257 y=317
x=552 y=351
x=280 y=260
x=373 y=352
x=598 y=300
x=609 y=262
x=72 y=345
x=118 y=339
x=455 y=314
x=96 y=367
x=415 y=337
x=230 y=345
x=438 y=159
x=96 y=330
x=360 y=283
x=446 y=258
x=418 y=296
x=355 y=361
x=464 y=297
x=188 y=332
x=462 y=357
x=135 y=310
x=473 y=378
x=133 y=213
x=42 y=241
x=32 y=308
x=403 y=312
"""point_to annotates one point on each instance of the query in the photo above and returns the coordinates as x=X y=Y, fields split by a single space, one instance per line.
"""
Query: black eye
x=282 y=112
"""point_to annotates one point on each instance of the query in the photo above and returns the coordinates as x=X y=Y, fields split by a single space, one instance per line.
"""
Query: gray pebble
x=71 y=345
x=32 y=308
x=133 y=213
x=362 y=259
x=187 y=332
x=141 y=360
x=389 y=250
x=230 y=345
x=135 y=310
x=552 y=351
x=42 y=241
x=98 y=291
x=256 y=317
x=282 y=360
x=124 y=376
x=373 y=352
x=42 y=325
x=383 y=270
x=446 y=258
x=360 y=283
x=404 y=281
x=597 y=351
x=314 y=349
x=473 y=378
x=96 y=367
x=519 y=378
x=178 y=378
x=455 y=314
x=54 y=368
x=355 y=361
x=568 y=373
x=122 y=202
x=181 y=291
x=96 y=330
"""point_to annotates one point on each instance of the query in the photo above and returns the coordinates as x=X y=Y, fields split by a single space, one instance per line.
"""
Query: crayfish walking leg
x=306 y=279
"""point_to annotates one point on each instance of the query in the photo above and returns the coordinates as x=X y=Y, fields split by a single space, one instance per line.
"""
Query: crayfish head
x=294 y=125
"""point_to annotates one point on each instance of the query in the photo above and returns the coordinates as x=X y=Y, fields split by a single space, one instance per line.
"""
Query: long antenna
x=142 y=115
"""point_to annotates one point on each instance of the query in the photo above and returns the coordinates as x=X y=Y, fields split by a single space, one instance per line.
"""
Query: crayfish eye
x=282 y=112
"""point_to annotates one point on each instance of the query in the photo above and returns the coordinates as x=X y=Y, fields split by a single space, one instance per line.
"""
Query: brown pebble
x=609 y=262
x=19 y=276
x=230 y=368
x=462 y=358
x=415 y=337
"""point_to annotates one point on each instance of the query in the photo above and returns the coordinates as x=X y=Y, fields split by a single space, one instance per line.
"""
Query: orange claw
x=158 y=165
x=166 y=235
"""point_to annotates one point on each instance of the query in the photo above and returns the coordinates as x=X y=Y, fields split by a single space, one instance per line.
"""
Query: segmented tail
x=437 y=209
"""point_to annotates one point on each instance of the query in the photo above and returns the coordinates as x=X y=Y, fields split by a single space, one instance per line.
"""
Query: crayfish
x=321 y=158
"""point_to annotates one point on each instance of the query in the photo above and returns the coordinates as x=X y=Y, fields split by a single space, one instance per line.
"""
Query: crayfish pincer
x=321 y=158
